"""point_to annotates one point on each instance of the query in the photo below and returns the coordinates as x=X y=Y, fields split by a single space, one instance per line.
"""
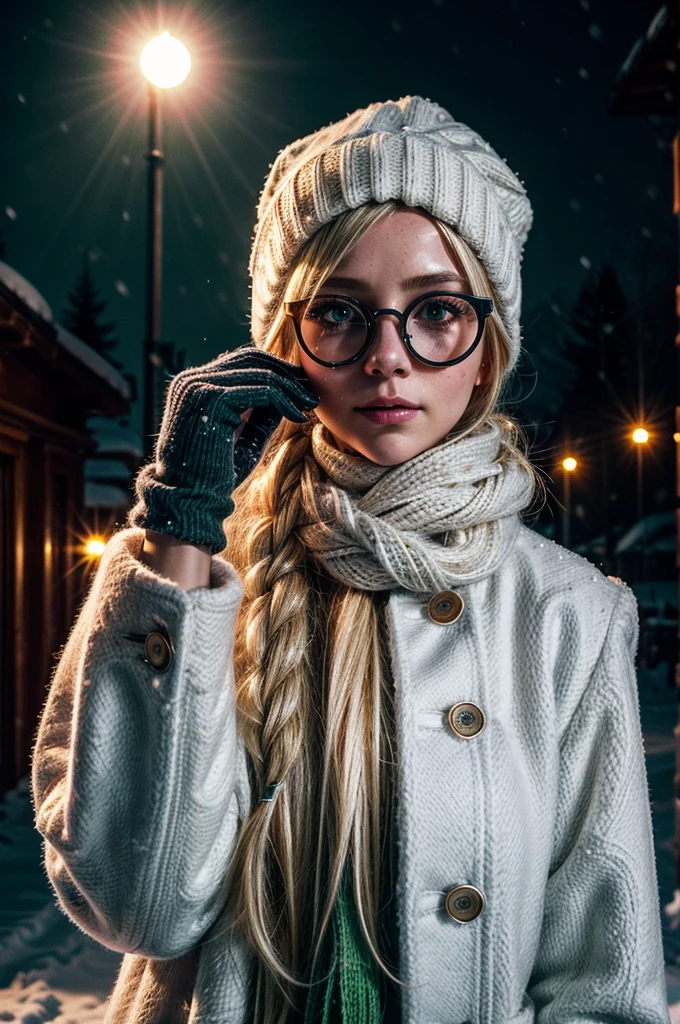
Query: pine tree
x=83 y=317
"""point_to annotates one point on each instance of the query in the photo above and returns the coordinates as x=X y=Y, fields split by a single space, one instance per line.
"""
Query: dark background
x=533 y=78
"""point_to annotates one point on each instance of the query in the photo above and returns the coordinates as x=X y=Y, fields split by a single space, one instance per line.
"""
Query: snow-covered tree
x=83 y=317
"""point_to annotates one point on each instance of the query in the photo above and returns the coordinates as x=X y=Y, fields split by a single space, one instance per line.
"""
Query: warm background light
x=570 y=463
x=94 y=547
x=640 y=435
x=676 y=436
x=165 y=61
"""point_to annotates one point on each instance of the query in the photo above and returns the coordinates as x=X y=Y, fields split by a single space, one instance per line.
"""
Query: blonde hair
x=313 y=688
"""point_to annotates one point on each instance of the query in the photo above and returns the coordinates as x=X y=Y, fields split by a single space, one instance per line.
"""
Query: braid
x=274 y=703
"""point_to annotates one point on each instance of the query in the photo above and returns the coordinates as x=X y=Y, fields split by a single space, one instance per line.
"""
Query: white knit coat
x=139 y=783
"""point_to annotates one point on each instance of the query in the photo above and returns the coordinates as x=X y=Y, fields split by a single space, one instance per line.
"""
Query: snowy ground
x=51 y=971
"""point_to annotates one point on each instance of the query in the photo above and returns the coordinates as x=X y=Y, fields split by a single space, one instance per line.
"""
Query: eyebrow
x=420 y=281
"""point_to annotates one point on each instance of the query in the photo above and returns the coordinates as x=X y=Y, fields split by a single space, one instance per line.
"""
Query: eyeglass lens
x=440 y=328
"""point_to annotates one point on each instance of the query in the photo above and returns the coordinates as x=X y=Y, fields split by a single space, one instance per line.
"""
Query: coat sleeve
x=138 y=776
x=600 y=955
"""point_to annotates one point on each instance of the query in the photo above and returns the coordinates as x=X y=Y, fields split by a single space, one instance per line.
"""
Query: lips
x=384 y=402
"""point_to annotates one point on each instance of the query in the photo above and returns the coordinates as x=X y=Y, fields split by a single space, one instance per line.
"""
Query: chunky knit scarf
x=446 y=517
x=441 y=519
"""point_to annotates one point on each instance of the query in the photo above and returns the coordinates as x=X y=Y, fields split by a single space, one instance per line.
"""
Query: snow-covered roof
x=29 y=294
x=655 y=531
x=106 y=469
x=114 y=438
x=17 y=284
x=99 y=495
x=87 y=355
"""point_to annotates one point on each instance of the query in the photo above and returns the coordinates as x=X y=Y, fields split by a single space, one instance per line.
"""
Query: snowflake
x=126 y=161
x=585 y=262
x=198 y=220
x=595 y=32
x=63 y=127
x=126 y=215
x=583 y=73
x=122 y=288
x=21 y=98
x=11 y=212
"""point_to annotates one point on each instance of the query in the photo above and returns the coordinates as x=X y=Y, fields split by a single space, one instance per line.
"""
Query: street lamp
x=641 y=436
x=568 y=465
x=165 y=62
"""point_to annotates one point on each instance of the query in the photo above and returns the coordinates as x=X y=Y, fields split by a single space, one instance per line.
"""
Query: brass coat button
x=466 y=719
x=158 y=651
x=445 y=607
x=465 y=902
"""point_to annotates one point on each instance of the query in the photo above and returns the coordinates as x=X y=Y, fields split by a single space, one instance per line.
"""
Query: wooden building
x=50 y=384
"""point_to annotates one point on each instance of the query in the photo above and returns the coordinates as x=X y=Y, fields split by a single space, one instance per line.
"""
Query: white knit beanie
x=411 y=150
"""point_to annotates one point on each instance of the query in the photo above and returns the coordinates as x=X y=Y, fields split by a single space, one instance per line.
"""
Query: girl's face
x=383 y=266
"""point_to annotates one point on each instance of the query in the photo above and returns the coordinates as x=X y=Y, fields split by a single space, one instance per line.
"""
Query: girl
x=384 y=762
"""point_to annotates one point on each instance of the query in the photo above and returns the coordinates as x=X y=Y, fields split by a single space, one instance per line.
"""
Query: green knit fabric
x=185 y=491
x=348 y=989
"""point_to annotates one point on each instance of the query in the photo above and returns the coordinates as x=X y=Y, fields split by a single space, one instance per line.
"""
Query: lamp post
x=568 y=465
x=165 y=62
x=641 y=436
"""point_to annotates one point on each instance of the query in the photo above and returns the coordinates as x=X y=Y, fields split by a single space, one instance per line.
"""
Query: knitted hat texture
x=411 y=150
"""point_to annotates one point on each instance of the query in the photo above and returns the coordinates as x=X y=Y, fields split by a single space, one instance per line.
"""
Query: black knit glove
x=186 y=490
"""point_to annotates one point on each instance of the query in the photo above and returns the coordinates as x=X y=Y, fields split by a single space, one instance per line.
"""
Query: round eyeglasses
x=438 y=328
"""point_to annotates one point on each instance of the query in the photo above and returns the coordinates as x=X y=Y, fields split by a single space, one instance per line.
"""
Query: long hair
x=312 y=673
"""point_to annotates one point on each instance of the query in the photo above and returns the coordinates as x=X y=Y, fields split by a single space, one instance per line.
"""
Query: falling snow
x=95 y=254
x=126 y=161
x=126 y=215
x=583 y=73
x=22 y=99
x=198 y=220
x=585 y=262
x=63 y=127
x=11 y=212
x=574 y=205
x=122 y=288
x=595 y=32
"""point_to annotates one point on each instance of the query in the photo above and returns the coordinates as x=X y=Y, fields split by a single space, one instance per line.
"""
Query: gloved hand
x=186 y=491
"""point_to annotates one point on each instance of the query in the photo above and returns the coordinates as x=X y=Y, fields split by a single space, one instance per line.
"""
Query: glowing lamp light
x=676 y=436
x=569 y=464
x=165 y=61
x=640 y=435
x=94 y=547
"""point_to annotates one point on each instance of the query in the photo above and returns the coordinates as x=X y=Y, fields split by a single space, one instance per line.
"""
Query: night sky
x=534 y=79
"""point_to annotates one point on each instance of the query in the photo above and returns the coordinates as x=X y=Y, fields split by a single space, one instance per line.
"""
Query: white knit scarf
x=443 y=518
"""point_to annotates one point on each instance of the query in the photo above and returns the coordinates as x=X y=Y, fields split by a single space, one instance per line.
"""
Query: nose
x=387 y=356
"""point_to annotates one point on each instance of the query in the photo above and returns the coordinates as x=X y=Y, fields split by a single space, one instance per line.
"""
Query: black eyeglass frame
x=482 y=306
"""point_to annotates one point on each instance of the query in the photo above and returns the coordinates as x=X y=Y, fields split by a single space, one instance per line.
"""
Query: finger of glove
x=243 y=357
x=262 y=395
x=244 y=378
x=250 y=359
